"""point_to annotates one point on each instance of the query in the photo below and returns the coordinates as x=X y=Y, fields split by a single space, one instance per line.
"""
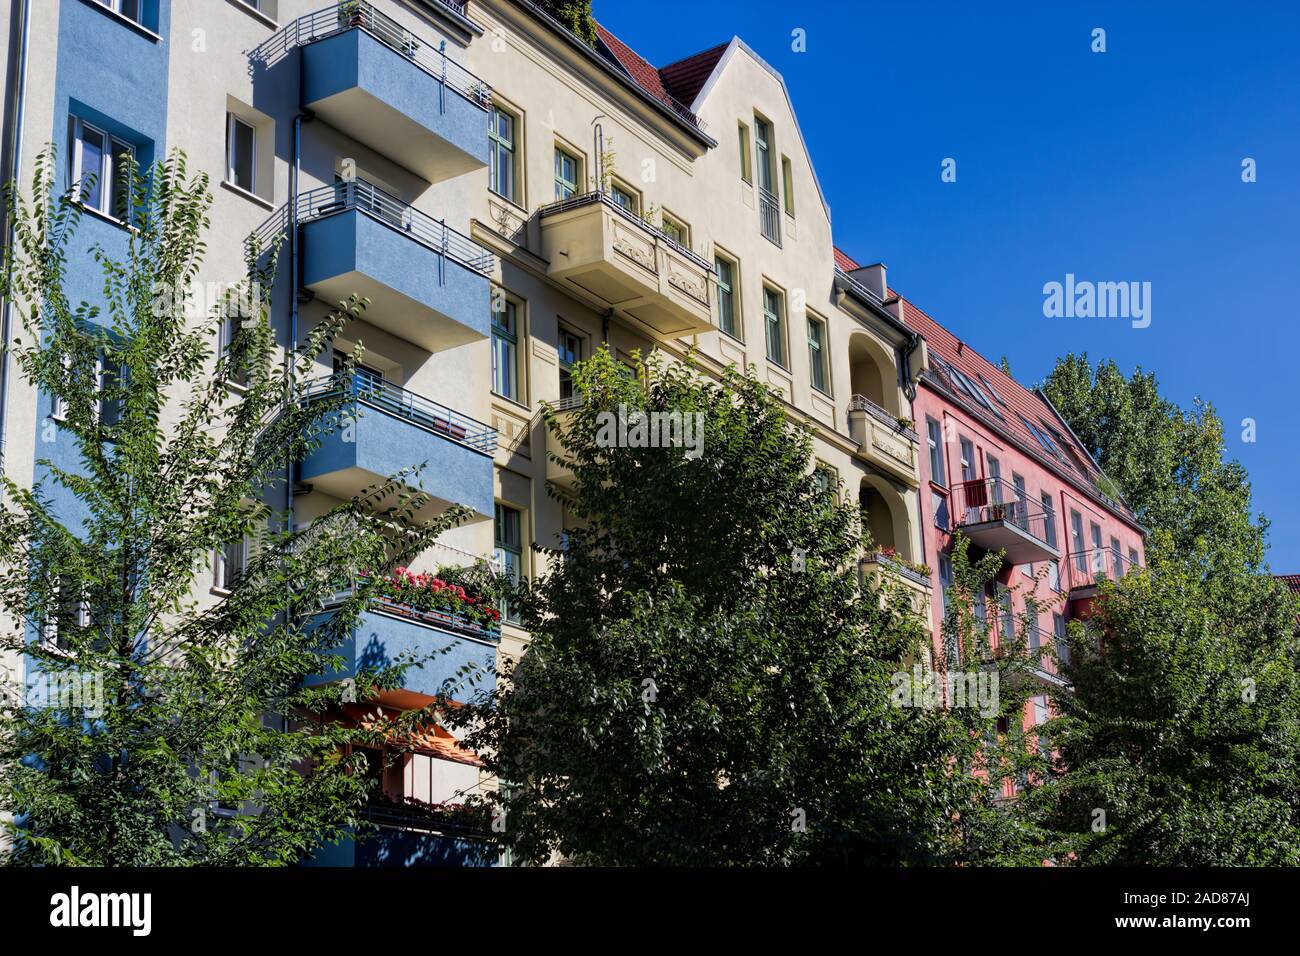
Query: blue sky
x=1116 y=166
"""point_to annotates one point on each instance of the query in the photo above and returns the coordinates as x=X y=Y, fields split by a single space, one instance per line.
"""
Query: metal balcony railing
x=596 y=196
x=994 y=499
x=769 y=216
x=1087 y=568
x=366 y=197
x=860 y=403
x=454 y=622
x=361 y=15
x=398 y=402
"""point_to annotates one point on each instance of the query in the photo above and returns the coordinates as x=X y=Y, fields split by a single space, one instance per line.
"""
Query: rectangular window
x=566 y=174
x=726 y=279
x=1116 y=559
x=505 y=348
x=1053 y=575
x=110 y=378
x=824 y=479
x=676 y=230
x=229 y=565
x=817 y=355
x=967 y=460
x=241 y=153
x=1049 y=522
x=508 y=532
x=131 y=9
x=502 y=160
x=1059 y=638
x=1076 y=540
x=235 y=374
x=934 y=440
x=945 y=579
x=939 y=505
x=787 y=183
x=100 y=164
x=1132 y=558
x=1008 y=614
x=625 y=198
x=774 y=324
x=746 y=170
x=763 y=148
x=995 y=480
x=570 y=349
x=1097 y=554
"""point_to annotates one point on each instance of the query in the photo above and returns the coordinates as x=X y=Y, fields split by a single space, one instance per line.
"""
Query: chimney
x=872 y=278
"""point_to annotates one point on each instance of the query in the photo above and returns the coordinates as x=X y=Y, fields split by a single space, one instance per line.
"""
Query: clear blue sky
x=1119 y=166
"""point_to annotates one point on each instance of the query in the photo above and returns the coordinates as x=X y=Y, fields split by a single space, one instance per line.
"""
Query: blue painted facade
x=360 y=84
x=394 y=847
x=379 y=639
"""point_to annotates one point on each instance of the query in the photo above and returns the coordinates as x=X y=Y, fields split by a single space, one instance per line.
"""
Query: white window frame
x=116 y=7
x=221 y=580
x=232 y=121
x=105 y=173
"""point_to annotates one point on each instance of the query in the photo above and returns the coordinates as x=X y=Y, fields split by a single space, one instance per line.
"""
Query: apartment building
x=511 y=199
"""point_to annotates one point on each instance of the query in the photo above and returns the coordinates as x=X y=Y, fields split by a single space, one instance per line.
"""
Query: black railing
x=1086 y=569
x=860 y=403
x=361 y=15
x=769 y=216
x=366 y=197
x=398 y=402
x=988 y=500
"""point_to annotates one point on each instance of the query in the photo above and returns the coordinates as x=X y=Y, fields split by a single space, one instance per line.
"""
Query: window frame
x=510 y=335
x=729 y=288
x=780 y=326
x=501 y=547
x=787 y=184
x=566 y=367
x=746 y=159
x=234 y=120
x=497 y=142
x=819 y=354
x=106 y=177
x=561 y=153
x=934 y=442
x=617 y=187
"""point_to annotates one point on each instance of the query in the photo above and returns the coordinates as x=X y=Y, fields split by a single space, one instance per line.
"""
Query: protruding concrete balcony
x=368 y=76
x=459 y=657
x=888 y=573
x=559 y=473
x=385 y=429
x=624 y=263
x=883 y=440
x=989 y=513
x=426 y=282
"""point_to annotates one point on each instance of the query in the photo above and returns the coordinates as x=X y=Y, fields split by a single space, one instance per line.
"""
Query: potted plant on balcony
x=352 y=13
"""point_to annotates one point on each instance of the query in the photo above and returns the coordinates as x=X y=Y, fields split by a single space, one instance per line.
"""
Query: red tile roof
x=844 y=262
x=1017 y=402
x=685 y=78
x=1290 y=580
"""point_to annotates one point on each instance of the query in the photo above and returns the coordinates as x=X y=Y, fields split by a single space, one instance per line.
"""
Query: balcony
x=399 y=836
x=769 y=216
x=426 y=282
x=883 y=440
x=988 y=512
x=888 y=573
x=626 y=264
x=559 y=473
x=372 y=79
x=454 y=646
x=386 y=429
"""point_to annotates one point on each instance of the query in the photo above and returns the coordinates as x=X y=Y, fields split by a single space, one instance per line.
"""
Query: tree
x=707 y=681
x=1181 y=738
x=574 y=14
x=146 y=709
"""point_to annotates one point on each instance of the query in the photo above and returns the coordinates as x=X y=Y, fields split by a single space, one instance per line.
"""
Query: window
x=69 y=609
x=727 y=317
x=939 y=505
x=1116 y=559
x=229 y=565
x=99 y=170
x=1096 y=541
x=825 y=479
x=1076 y=540
x=1035 y=632
x=59 y=404
x=995 y=480
x=945 y=578
x=566 y=174
x=763 y=144
x=993 y=391
x=132 y=9
x=625 y=198
x=967 y=460
x=505 y=348
x=774 y=325
x=1053 y=575
x=509 y=551
x=1132 y=558
x=502 y=159
x=1059 y=638
x=934 y=439
x=676 y=230
x=1008 y=614
x=787 y=183
x=241 y=153
x=570 y=349
x=817 y=355
x=1049 y=519
x=110 y=379
x=235 y=374
x=746 y=169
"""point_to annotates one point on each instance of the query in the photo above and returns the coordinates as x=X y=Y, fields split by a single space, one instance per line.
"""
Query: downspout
x=295 y=285
x=13 y=164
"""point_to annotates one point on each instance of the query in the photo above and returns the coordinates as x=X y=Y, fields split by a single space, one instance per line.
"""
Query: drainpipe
x=13 y=164
x=296 y=285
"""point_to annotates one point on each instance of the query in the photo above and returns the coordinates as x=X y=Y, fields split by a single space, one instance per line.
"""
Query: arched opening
x=885 y=516
x=872 y=373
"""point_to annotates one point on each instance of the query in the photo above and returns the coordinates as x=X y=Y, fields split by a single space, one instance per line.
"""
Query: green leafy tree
x=707 y=681
x=574 y=14
x=1181 y=738
x=155 y=728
